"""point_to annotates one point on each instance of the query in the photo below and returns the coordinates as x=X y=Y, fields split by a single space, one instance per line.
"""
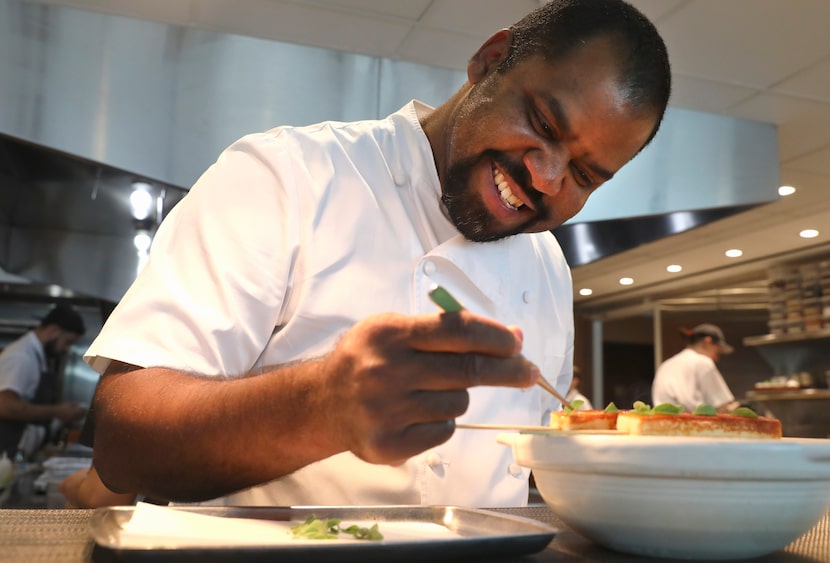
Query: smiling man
x=280 y=347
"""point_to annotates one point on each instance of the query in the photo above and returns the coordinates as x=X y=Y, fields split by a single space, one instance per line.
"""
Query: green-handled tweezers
x=450 y=304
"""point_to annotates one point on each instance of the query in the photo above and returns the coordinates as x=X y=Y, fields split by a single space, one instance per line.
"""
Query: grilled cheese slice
x=688 y=424
x=584 y=420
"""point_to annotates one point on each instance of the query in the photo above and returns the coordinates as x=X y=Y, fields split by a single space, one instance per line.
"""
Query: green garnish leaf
x=668 y=408
x=316 y=529
x=705 y=410
x=744 y=411
x=575 y=404
x=611 y=408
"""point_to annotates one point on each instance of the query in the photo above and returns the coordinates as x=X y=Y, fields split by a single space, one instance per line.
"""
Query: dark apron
x=12 y=430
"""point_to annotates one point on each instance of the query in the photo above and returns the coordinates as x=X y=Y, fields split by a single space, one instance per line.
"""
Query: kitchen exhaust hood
x=122 y=99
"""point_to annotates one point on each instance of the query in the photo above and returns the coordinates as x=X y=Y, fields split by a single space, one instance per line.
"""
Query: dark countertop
x=35 y=535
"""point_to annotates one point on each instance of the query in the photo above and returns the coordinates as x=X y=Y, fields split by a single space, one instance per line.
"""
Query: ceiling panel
x=766 y=60
x=409 y=10
x=705 y=95
x=295 y=23
x=812 y=82
x=481 y=18
x=813 y=162
x=747 y=42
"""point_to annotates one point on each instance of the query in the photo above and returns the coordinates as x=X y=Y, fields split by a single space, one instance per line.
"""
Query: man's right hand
x=69 y=411
x=396 y=383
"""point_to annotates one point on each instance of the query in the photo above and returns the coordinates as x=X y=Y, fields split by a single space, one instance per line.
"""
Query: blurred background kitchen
x=109 y=111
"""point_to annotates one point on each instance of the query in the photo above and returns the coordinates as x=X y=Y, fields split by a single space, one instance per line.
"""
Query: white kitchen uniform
x=294 y=235
x=690 y=379
x=21 y=364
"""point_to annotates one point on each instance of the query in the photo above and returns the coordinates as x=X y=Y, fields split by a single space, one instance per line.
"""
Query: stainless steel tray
x=476 y=534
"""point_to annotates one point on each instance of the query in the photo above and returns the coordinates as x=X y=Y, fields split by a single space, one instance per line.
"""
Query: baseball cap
x=716 y=334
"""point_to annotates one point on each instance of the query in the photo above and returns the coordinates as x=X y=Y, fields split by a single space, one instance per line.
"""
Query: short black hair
x=560 y=26
x=65 y=317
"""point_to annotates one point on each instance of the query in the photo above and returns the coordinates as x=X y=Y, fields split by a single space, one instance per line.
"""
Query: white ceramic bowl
x=690 y=498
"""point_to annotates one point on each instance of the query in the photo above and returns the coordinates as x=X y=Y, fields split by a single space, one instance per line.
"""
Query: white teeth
x=506 y=194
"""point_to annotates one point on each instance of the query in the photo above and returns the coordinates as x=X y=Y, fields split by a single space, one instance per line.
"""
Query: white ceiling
x=765 y=60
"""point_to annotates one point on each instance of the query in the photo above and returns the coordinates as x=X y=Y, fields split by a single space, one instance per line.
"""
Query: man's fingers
x=448 y=370
x=463 y=332
x=395 y=448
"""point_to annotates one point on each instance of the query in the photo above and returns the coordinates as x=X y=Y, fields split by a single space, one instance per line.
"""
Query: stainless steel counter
x=804 y=413
x=34 y=536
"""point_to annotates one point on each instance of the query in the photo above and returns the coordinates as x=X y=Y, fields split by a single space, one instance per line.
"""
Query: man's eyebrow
x=555 y=108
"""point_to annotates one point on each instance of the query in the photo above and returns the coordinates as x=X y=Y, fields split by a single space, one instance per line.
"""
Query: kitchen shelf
x=805 y=336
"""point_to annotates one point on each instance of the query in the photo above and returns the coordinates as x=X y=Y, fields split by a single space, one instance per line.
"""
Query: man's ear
x=489 y=55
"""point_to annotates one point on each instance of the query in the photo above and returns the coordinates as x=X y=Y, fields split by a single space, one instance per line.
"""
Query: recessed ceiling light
x=674 y=268
x=734 y=252
x=786 y=190
x=586 y=291
x=626 y=281
x=141 y=201
x=808 y=233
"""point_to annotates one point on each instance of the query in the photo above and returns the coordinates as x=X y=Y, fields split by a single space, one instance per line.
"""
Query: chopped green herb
x=705 y=410
x=611 y=408
x=746 y=412
x=364 y=533
x=668 y=408
x=642 y=408
x=316 y=529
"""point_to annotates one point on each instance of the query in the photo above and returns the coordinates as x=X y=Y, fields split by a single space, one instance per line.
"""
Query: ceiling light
x=626 y=281
x=142 y=241
x=786 y=190
x=734 y=252
x=808 y=233
x=674 y=268
x=586 y=291
x=141 y=201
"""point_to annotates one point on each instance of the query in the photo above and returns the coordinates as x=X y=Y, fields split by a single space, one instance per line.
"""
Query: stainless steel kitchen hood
x=157 y=101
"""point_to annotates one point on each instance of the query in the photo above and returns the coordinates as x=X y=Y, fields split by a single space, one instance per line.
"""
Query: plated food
x=704 y=421
x=693 y=497
x=670 y=420
x=571 y=419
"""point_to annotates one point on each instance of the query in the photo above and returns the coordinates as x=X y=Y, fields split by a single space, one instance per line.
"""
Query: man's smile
x=507 y=196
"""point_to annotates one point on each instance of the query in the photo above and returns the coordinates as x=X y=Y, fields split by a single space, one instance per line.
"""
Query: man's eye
x=544 y=128
x=581 y=177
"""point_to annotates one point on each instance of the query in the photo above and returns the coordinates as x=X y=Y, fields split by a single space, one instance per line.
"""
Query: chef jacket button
x=429 y=268
x=527 y=297
x=434 y=460
x=515 y=470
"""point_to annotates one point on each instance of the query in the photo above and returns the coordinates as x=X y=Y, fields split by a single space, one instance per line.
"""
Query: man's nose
x=548 y=168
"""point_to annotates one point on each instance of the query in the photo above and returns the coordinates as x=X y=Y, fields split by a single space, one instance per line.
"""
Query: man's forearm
x=171 y=435
x=12 y=407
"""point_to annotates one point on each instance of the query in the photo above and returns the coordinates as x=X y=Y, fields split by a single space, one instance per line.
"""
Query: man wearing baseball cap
x=691 y=377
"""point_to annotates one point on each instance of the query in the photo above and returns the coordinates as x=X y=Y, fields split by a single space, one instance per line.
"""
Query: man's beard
x=465 y=206
x=50 y=348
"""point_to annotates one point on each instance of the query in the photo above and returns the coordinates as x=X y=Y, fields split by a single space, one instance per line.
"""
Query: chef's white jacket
x=690 y=379
x=295 y=234
x=22 y=364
